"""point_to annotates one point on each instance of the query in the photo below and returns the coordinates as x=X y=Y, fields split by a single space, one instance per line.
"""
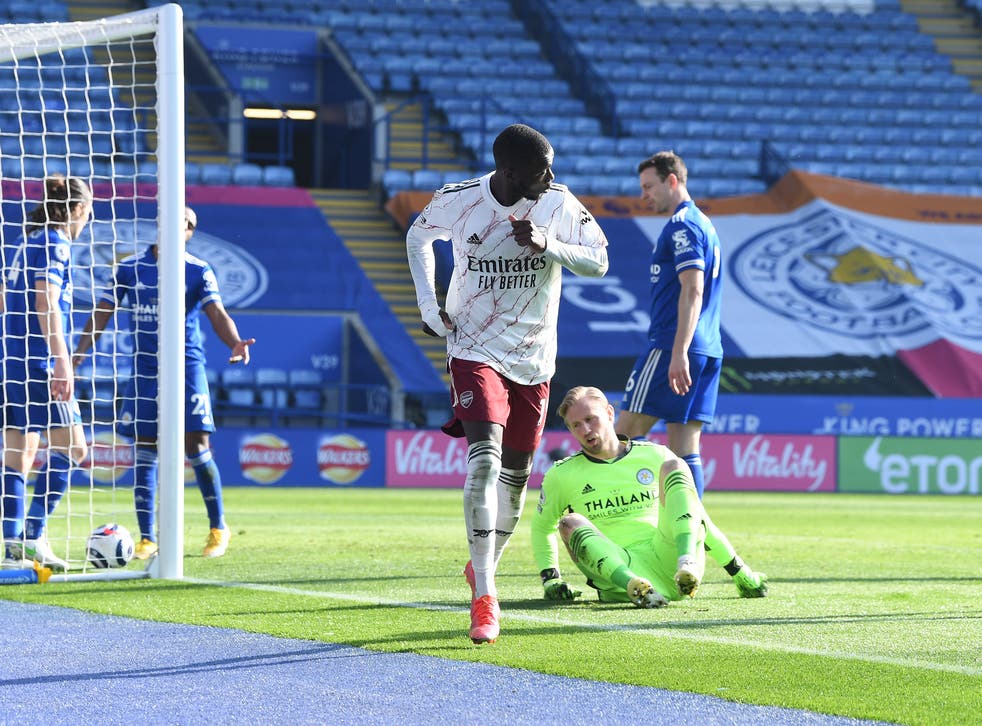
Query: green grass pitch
x=875 y=609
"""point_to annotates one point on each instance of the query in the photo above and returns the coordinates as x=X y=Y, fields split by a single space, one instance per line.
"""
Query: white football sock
x=481 y=510
x=511 y=499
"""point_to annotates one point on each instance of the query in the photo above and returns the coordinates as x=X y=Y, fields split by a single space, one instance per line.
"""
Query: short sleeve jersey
x=619 y=497
x=45 y=254
x=687 y=242
x=135 y=286
x=503 y=298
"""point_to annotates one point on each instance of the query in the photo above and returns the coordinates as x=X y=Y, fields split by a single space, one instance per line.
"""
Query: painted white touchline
x=665 y=633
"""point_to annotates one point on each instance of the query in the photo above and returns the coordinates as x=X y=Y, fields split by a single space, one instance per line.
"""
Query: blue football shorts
x=138 y=413
x=28 y=406
x=647 y=390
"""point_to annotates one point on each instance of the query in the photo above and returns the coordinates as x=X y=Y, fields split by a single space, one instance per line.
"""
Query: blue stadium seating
x=585 y=73
x=397 y=180
x=216 y=174
x=279 y=176
x=273 y=387
x=192 y=172
x=239 y=386
x=427 y=179
x=245 y=174
x=306 y=389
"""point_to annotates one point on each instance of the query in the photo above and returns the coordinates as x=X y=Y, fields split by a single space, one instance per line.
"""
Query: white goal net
x=99 y=101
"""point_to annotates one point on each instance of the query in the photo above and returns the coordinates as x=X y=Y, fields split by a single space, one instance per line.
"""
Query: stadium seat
x=427 y=179
x=146 y=172
x=192 y=172
x=279 y=176
x=216 y=174
x=396 y=180
x=239 y=386
x=10 y=167
x=306 y=388
x=272 y=384
x=245 y=174
x=454 y=176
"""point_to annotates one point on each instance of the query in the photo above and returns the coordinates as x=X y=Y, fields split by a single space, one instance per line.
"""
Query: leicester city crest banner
x=824 y=280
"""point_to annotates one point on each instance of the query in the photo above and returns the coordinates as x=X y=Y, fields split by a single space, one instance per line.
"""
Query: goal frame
x=166 y=24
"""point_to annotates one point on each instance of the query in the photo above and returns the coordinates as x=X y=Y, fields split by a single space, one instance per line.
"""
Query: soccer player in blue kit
x=38 y=383
x=136 y=282
x=677 y=378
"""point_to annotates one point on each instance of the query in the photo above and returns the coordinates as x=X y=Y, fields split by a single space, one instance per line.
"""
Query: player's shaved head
x=518 y=146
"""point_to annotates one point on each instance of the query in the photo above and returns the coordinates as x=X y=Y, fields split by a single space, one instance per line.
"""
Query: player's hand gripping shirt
x=136 y=281
x=619 y=497
x=503 y=298
x=688 y=241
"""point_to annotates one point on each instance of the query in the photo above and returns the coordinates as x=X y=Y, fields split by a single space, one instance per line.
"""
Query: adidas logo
x=587 y=489
x=474 y=240
x=683 y=517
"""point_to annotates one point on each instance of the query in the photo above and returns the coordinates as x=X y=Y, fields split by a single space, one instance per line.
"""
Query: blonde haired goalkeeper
x=629 y=515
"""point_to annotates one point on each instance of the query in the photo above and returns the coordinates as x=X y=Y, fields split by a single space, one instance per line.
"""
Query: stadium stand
x=819 y=80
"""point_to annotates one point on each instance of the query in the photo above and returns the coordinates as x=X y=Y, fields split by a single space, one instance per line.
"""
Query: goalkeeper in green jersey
x=630 y=516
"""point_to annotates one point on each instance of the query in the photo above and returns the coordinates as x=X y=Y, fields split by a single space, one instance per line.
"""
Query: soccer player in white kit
x=512 y=231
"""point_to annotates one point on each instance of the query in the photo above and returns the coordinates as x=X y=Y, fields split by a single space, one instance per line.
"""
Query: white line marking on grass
x=779 y=647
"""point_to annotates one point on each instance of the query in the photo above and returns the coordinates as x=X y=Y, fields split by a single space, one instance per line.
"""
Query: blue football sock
x=49 y=487
x=210 y=484
x=695 y=465
x=145 y=490
x=12 y=504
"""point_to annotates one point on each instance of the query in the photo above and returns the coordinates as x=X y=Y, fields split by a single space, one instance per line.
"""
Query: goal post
x=103 y=100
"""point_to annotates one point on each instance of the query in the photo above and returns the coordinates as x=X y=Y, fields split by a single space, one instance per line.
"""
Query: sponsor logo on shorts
x=847 y=276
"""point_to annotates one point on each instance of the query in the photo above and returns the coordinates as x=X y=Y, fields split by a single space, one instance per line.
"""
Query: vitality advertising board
x=769 y=462
x=430 y=458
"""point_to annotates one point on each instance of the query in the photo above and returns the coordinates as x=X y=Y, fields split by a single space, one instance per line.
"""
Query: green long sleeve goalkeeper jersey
x=620 y=497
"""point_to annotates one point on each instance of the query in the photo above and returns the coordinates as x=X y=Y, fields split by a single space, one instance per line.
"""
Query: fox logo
x=860 y=265
x=851 y=277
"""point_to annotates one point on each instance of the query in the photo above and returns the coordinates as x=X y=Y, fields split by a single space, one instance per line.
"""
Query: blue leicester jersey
x=43 y=255
x=135 y=287
x=688 y=241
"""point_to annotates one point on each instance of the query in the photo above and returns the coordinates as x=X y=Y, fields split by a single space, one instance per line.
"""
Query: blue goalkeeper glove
x=558 y=589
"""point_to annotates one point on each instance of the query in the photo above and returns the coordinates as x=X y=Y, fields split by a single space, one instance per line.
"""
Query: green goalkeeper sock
x=718 y=546
x=684 y=512
x=599 y=557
